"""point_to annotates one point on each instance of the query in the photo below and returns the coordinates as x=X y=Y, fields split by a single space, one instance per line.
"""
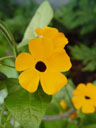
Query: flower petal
x=88 y=107
x=52 y=82
x=39 y=31
x=77 y=101
x=24 y=61
x=48 y=32
x=59 y=61
x=63 y=104
x=91 y=90
x=80 y=90
x=58 y=38
x=41 y=48
x=60 y=41
x=29 y=80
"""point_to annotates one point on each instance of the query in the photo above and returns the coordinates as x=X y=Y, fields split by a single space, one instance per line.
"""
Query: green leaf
x=42 y=17
x=2 y=76
x=10 y=72
x=2 y=84
x=56 y=124
x=86 y=119
x=90 y=126
x=27 y=108
x=77 y=15
x=86 y=55
x=6 y=57
x=8 y=35
x=60 y=124
x=3 y=95
x=72 y=125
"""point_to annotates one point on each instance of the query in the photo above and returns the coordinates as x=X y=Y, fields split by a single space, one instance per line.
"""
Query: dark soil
x=78 y=76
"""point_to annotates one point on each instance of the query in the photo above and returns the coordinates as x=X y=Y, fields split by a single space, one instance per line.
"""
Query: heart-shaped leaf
x=42 y=17
x=27 y=108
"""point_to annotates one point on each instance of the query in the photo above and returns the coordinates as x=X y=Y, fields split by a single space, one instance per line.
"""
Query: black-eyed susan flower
x=43 y=64
x=85 y=97
x=63 y=104
x=57 y=37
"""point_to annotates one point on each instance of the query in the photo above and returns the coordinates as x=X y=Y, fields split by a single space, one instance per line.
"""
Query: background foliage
x=77 y=20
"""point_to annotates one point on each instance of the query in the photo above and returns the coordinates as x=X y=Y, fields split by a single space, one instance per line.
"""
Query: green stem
x=69 y=96
x=8 y=35
x=7 y=65
x=8 y=119
x=1 y=114
x=57 y=104
x=6 y=57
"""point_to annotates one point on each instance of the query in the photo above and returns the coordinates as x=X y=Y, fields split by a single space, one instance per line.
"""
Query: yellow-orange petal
x=80 y=90
x=91 y=87
x=63 y=104
x=52 y=82
x=29 y=80
x=41 y=48
x=39 y=31
x=60 y=41
x=77 y=101
x=58 y=38
x=49 y=32
x=59 y=61
x=24 y=61
x=91 y=91
x=88 y=107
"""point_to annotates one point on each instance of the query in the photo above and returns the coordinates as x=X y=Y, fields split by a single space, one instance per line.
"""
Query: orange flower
x=57 y=37
x=43 y=64
x=85 y=97
x=63 y=104
x=74 y=115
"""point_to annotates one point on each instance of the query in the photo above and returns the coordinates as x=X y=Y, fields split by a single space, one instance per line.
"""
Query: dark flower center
x=40 y=66
x=87 y=97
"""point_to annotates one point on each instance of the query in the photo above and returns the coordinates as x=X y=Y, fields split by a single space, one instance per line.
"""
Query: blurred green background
x=77 y=20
